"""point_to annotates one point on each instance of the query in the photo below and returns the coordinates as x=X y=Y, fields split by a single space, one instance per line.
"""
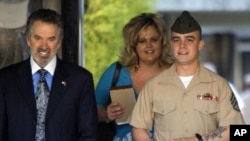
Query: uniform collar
x=202 y=75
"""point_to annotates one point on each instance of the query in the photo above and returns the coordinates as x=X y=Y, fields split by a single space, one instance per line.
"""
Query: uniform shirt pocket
x=206 y=106
x=163 y=113
x=163 y=110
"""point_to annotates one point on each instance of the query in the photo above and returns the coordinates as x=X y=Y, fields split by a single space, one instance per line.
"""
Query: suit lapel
x=58 y=89
x=25 y=86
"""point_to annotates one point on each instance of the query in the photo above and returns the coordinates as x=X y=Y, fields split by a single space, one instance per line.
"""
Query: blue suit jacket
x=71 y=113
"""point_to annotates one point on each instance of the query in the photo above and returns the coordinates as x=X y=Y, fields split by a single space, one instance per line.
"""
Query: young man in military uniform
x=187 y=102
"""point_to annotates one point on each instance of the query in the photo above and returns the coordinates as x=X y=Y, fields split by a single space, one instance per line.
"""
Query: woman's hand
x=114 y=110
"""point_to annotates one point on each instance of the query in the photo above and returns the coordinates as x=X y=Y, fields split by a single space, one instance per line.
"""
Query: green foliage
x=103 y=23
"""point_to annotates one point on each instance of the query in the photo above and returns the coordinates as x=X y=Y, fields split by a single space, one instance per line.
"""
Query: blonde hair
x=130 y=32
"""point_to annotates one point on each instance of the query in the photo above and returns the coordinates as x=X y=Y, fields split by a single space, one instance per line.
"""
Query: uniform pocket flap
x=164 y=108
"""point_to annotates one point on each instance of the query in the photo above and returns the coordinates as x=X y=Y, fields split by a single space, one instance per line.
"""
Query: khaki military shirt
x=176 y=111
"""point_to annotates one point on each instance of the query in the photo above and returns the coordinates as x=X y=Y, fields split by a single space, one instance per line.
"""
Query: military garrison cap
x=185 y=24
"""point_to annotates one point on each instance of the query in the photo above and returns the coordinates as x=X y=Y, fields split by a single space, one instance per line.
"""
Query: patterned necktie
x=41 y=105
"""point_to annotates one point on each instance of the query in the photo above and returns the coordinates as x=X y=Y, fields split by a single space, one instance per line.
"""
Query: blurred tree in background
x=103 y=23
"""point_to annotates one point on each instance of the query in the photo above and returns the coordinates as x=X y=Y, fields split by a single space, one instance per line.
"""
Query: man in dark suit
x=71 y=113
